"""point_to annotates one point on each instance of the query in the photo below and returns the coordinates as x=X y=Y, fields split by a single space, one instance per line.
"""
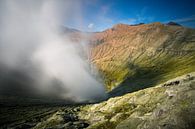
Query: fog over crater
x=35 y=58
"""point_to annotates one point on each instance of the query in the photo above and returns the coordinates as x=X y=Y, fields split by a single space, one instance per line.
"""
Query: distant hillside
x=135 y=57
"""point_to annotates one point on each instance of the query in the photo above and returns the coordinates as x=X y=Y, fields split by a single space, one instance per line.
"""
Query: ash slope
x=131 y=58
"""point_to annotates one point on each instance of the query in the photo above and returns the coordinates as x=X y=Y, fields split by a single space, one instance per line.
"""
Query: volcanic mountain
x=133 y=57
x=147 y=69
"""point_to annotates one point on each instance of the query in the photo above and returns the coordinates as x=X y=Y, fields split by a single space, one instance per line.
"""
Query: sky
x=98 y=15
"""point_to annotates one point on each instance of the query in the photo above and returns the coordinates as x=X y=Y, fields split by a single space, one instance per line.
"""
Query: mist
x=37 y=58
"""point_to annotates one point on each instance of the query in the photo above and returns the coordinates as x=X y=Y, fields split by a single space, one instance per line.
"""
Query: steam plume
x=36 y=57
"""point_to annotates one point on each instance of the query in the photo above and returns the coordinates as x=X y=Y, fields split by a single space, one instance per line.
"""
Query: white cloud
x=185 y=19
x=91 y=25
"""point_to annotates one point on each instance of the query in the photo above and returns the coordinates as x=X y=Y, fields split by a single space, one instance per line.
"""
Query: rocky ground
x=41 y=117
x=65 y=118
x=170 y=105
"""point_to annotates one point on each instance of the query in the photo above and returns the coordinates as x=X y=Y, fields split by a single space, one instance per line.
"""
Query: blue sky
x=99 y=15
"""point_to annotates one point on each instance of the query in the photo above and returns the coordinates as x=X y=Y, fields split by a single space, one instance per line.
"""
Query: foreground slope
x=170 y=105
x=135 y=57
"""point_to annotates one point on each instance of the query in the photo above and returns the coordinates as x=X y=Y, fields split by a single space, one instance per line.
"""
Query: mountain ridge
x=125 y=51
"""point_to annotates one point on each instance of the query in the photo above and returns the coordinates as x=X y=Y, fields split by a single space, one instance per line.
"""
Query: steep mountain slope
x=135 y=57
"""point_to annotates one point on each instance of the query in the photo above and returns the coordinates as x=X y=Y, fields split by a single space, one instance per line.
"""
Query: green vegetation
x=160 y=68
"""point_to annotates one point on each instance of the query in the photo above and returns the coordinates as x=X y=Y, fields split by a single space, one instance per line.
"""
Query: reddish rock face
x=115 y=48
